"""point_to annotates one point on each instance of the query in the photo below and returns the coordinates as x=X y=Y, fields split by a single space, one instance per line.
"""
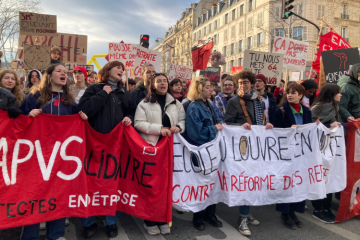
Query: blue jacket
x=199 y=124
x=55 y=108
x=287 y=119
x=272 y=107
x=219 y=105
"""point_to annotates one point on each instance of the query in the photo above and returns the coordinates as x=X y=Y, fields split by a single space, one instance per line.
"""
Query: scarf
x=296 y=106
x=259 y=105
x=177 y=95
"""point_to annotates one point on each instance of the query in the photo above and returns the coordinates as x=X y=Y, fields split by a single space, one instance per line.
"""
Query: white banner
x=295 y=52
x=259 y=167
x=181 y=72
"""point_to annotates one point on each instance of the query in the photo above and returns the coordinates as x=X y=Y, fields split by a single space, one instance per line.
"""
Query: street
x=271 y=227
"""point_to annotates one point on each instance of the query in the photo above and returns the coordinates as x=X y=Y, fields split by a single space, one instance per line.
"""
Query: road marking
x=140 y=223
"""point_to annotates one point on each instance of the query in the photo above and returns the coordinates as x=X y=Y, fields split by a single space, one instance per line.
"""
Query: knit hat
x=308 y=84
x=82 y=69
x=261 y=77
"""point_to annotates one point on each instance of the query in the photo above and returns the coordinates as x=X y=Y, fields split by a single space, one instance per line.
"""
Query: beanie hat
x=309 y=84
x=82 y=69
x=261 y=77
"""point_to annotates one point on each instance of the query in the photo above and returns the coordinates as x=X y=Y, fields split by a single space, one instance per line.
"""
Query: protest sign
x=337 y=62
x=181 y=72
x=70 y=67
x=295 y=76
x=51 y=172
x=259 y=167
x=350 y=197
x=37 y=24
x=212 y=73
x=134 y=56
x=36 y=57
x=295 y=52
x=268 y=64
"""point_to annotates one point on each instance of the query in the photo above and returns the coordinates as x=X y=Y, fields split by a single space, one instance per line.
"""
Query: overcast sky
x=107 y=21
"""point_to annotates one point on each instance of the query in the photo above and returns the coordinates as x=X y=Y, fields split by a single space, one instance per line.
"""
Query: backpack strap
x=51 y=101
x=242 y=103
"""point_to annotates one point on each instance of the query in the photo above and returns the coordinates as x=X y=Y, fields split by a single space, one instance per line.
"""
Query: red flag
x=201 y=55
x=329 y=41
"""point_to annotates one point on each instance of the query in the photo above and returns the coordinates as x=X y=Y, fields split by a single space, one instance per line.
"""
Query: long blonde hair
x=196 y=88
x=18 y=93
x=45 y=89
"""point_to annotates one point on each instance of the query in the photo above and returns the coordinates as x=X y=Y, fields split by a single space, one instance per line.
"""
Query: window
x=233 y=31
x=240 y=62
x=232 y=48
x=231 y=64
x=241 y=46
x=298 y=10
x=249 y=43
x=199 y=34
x=250 y=23
x=279 y=32
x=259 y=39
x=209 y=28
x=215 y=25
x=298 y=33
x=224 y=50
x=277 y=13
x=250 y=5
x=321 y=11
x=241 y=10
x=344 y=33
x=224 y=68
x=226 y=18
x=260 y=19
x=194 y=37
x=344 y=13
x=233 y=15
x=204 y=31
x=241 y=27
x=215 y=39
x=225 y=35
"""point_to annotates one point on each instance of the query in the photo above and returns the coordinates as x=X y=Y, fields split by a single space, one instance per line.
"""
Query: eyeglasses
x=244 y=83
x=228 y=85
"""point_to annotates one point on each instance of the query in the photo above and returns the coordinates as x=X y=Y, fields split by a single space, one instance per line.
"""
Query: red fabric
x=349 y=207
x=82 y=69
x=296 y=106
x=329 y=41
x=119 y=168
x=277 y=92
x=201 y=55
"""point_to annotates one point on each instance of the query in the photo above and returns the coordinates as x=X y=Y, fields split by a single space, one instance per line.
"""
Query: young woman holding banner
x=292 y=114
x=157 y=116
x=202 y=124
x=51 y=96
x=326 y=109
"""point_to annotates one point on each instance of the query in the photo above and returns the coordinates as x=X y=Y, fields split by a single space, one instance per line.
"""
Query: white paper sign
x=259 y=167
x=181 y=72
x=295 y=52
x=295 y=76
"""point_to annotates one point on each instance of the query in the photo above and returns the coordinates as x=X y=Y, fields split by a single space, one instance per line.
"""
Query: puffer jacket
x=148 y=118
x=7 y=100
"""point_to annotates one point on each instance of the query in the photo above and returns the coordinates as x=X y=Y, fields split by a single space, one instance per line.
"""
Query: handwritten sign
x=212 y=73
x=295 y=76
x=268 y=64
x=73 y=46
x=134 y=56
x=337 y=62
x=36 y=57
x=295 y=52
x=37 y=24
x=181 y=72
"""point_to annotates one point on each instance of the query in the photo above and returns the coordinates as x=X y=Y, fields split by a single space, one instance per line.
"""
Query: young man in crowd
x=176 y=87
x=132 y=84
x=55 y=55
x=221 y=99
x=310 y=92
x=222 y=79
x=268 y=98
x=139 y=93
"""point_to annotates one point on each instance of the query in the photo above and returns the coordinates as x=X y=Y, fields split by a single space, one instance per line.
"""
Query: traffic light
x=144 y=40
x=285 y=9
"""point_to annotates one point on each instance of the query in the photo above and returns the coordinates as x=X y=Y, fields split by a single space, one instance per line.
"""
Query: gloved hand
x=14 y=112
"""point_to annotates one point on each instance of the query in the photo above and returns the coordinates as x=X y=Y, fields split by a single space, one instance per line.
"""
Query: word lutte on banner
x=295 y=52
x=180 y=72
x=50 y=173
x=259 y=167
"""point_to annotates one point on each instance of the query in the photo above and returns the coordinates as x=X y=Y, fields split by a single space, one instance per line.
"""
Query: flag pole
x=317 y=43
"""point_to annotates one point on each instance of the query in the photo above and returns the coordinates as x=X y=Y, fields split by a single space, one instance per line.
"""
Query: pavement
x=271 y=227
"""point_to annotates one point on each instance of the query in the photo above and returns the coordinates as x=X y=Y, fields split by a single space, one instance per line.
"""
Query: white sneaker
x=61 y=238
x=252 y=220
x=67 y=222
x=43 y=226
x=243 y=228
x=154 y=230
x=165 y=229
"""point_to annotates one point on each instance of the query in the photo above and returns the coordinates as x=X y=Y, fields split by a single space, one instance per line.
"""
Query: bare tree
x=9 y=23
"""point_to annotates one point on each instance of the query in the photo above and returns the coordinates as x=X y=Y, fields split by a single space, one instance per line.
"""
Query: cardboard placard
x=69 y=67
x=73 y=46
x=37 y=24
x=268 y=64
x=337 y=62
x=295 y=76
x=181 y=72
x=295 y=52
x=212 y=73
x=36 y=57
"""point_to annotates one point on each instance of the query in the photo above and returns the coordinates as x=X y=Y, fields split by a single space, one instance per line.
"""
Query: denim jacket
x=199 y=124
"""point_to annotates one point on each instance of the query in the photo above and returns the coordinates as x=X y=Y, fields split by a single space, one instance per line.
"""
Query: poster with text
x=212 y=73
x=180 y=72
x=37 y=24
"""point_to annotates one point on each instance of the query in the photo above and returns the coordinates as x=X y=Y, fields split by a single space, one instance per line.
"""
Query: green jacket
x=350 y=91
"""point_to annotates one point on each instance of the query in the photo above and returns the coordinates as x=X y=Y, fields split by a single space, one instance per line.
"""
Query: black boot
x=288 y=222
x=212 y=219
x=198 y=224
x=297 y=222
x=90 y=230
x=111 y=230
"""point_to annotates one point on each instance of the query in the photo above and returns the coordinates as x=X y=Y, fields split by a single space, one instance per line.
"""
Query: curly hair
x=18 y=93
x=196 y=88
x=245 y=74
x=56 y=48
x=45 y=89
x=104 y=73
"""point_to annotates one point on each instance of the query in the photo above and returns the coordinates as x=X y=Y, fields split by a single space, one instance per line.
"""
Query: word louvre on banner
x=181 y=72
x=259 y=167
x=134 y=56
x=269 y=64
x=51 y=173
x=37 y=24
x=295 y=52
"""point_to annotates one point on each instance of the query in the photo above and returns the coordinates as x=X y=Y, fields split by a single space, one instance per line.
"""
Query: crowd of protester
x=158 y=108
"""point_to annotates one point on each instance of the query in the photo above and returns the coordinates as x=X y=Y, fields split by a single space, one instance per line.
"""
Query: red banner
x=329 y=41
x=58 y=166
x=350 y=196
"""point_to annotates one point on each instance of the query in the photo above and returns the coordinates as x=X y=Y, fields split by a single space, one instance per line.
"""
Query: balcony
x=344 y=16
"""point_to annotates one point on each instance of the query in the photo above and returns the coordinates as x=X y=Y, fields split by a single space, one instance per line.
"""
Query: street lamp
x=157 y=41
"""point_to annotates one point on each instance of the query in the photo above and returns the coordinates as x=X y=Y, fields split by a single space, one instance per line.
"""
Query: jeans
x=110 y=220
x=244 y=211
x=209 y=211
x=54 y=230
x=323 y=204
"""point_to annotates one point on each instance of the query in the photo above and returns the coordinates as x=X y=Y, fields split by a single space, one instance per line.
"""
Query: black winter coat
x=287 y=119
x=139 y=93
x=272 y=107
x=8 y=103
x=106 y=111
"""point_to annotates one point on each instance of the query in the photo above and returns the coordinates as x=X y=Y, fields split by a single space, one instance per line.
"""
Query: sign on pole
x=180 y=72
x=37 y=24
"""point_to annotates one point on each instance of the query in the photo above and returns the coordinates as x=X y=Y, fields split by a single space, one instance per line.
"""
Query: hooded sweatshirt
x=28 y=83
x=350 y=91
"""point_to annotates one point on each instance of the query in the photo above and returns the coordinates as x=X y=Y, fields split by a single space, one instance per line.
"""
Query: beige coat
x=148 y=118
